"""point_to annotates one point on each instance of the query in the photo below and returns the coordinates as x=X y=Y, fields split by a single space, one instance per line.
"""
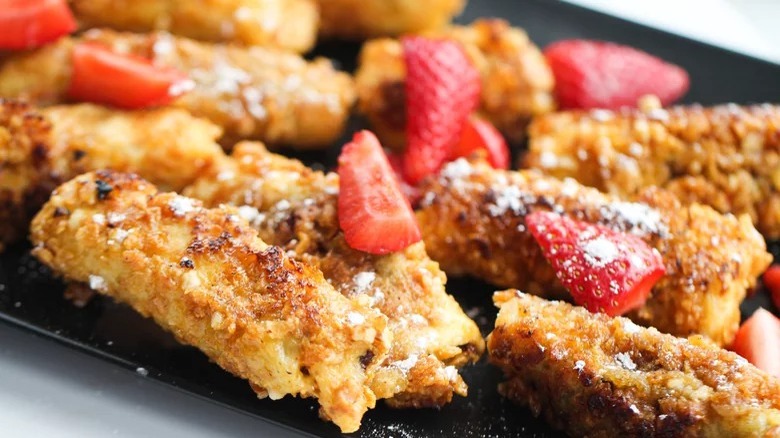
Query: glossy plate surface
x=30 y=298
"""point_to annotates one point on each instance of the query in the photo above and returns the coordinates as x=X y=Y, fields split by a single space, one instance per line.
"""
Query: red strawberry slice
x=442 y=89
x=480 y=134
x=101 y=75
x=595 y=74
x=373 y=213
x=772 y=282
x=758 y=341
x=604 y=270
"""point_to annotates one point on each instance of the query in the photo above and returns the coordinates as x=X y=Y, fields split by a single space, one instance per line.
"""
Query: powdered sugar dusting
x=507 y=199
x=457 y=169
x=363 y=280
x=634 y=217
x=406 y=364
x=98 y=283
x=354 y=318
x=451 y=372
x=251 y=215
x=630 y=328
x=181 y=205
x=599 y=251
x=625 y=361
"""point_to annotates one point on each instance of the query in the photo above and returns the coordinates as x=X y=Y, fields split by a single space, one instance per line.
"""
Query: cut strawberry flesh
x=596 y=74
x=604 y=270
x=125 y=81
x=478 y=135
x=442 y=90
x=26 y=24
x=772 y=282
x=374 y=214
x=758 y=341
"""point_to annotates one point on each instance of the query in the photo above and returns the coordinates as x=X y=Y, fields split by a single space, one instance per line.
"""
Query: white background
x=49 y=390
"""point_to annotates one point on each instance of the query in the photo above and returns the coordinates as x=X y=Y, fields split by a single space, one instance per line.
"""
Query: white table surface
x=47 y=390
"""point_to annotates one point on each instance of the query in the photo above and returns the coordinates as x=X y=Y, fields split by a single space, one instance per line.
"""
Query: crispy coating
x=517 y=83
x=473 y=222
x=725 y=156
x=288 y=24
x=295 y=207
x=363 y=19
x=254 y=92
x=24 y=155
x=207 y=277
x=595 y=376
x=40 y=148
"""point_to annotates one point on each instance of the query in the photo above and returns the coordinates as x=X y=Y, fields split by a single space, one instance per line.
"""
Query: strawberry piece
x=27 y=24
x=373 y=213
x=101 y=75
x=480 y=134
x=595 y=74
x=772 y=282
x=412 y=193
x=758 y=341
x=604 y=270
x=442 y=89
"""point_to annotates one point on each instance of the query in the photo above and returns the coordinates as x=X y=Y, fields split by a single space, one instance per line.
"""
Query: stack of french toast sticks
x=187 y=210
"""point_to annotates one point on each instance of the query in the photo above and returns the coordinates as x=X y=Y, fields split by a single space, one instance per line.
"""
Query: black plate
x=30 y=298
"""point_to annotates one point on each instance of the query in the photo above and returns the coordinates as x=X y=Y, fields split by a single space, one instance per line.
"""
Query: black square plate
x=30 y=298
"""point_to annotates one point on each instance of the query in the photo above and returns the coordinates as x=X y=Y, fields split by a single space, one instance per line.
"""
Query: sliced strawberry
x=25 y=24
x=442 y=89
x=604 y=270
x=480 y=134
x=758 y=341
x=412 y=193
x=595 y=74
x=125 y=81
x=772 y=282
x=373 y=213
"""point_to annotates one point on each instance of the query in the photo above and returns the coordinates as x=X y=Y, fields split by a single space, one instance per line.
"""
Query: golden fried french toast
x=724 y=156
x=596 y=376
x=250 y=92
x=473 y=222
x=24 y=152
x=40 y=148
x=363 y=19
x=295 y=207
x=206 y=276
x=288 y=24
x=517 y=84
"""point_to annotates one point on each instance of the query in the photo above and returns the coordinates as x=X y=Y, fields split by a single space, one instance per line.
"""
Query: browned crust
x=41 y=147
x=25 y=175
x=207 y=277
x=517 y=84
x=250 y=92
x=595 y=376
x=288 y=24
x=296 y=208
x=724 y=156
x=473 y=222
x=362 y=19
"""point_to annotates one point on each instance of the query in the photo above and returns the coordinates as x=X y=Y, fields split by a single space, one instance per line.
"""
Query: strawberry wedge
x=481 y=135
x=604 y=270
x=442 y=90
x=597 y=74
x=374 y=214
x=26 y=24
x=772 y=282
x=758 y=341
x=101 y=75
